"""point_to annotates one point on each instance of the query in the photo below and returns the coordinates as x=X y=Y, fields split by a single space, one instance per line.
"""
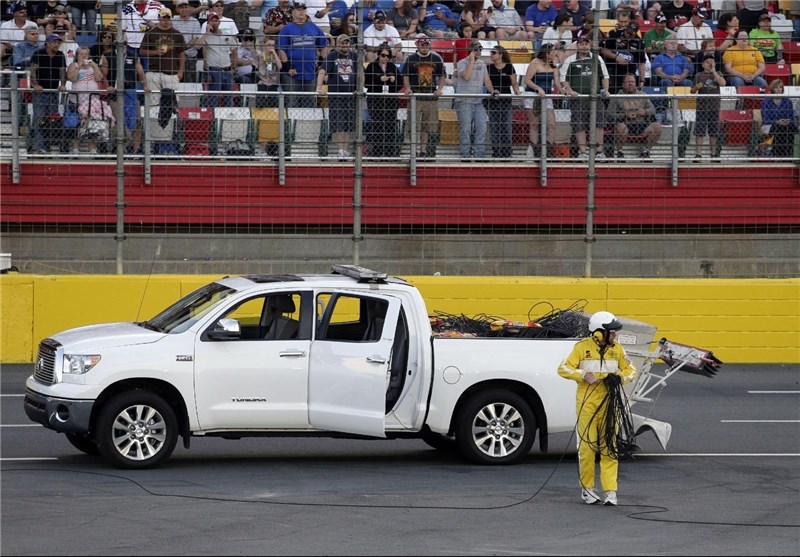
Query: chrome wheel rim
x=498 y=430
x=139 y=432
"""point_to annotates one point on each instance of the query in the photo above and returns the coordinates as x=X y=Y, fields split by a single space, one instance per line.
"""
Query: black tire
x=136 y=430
x=438 y=441
x=495 y=427
x=83 y=443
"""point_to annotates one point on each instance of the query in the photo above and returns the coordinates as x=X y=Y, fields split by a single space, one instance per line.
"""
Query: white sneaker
x=589 y=496
x=583 y=156
x=599 y=156
x=610 y=498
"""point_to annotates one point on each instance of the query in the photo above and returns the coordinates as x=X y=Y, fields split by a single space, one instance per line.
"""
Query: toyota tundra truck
x=350 y=353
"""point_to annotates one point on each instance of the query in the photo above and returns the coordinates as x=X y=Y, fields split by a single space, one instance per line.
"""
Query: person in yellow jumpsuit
x=592 y=359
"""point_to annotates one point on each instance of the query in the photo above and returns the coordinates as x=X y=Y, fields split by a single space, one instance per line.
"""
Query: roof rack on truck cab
x=362 y=274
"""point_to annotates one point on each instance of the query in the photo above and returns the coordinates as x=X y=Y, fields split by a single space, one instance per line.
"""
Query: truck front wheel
x=495 y=427
x=136 y=430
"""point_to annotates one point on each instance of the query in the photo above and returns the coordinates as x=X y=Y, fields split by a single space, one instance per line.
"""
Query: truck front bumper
x=61 y=414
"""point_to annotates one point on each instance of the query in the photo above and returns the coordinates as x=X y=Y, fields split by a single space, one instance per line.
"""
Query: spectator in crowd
x=744 y=63
x=164 y=48
x=671 y=68
x=335 y=11
x=219 y=51
x=138 y=17
x=69 y=46
x=678 y=12
x=633 y=116
x=339 y=70
x=655 y=37
x=634 y=7
x=347 y=26
x=586 y=30
x=300 y=43
x=13 y=31
x=538 y=17
x=42 y=12
x=247 y=56
x=749 y=13
x=472 y=77
x=477 y=19
x=767 y=40
x=383 y=81
x=133 y=79
x=575 y=75
x=380 y=33
x=707 y=85
x=541 y=78
x=48 y=78
x=405 y=18
x=692 y=34
x=624 y=54
x=84 y=15
x=86 y=77
x=779 y=120
x=266 y=6
x=437 y=20
x=24 y=50
x=61 y=19
x=507 y=23
x=577 y=12
x=104 y=54
x=269 y=73
x=725 y=34
x=504 y=80
x=423 y=76
x=189 y=27
x=227 y=26
x=277 y=18
x=559 y=35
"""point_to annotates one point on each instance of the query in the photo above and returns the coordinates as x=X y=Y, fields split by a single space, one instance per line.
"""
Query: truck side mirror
x=225 y=329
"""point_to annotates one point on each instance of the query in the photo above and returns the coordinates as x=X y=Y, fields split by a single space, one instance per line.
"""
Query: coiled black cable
x=616 y=437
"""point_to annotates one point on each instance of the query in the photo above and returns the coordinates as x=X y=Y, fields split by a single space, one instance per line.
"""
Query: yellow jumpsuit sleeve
x=570 y=366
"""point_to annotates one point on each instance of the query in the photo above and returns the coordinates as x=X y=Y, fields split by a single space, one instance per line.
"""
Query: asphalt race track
x=728 y=484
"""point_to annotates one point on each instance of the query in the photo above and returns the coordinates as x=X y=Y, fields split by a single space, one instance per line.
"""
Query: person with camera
x=472 y=76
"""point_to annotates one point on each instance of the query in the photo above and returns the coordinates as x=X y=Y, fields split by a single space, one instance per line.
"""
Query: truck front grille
x=45 y=371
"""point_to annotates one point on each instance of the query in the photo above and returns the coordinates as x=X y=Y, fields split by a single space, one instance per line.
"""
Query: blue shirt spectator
x=671 y=68
x=538 y=14
x=300 y=42
x=338 y=9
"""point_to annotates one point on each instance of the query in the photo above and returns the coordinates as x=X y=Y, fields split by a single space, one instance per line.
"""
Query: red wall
x=247 y=194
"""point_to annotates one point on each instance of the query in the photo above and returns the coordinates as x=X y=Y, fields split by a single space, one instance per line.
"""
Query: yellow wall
x=740 y=320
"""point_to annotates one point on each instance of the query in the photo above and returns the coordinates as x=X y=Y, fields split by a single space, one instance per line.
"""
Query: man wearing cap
x=767 y=40
x=575 y=75
x=300 y=44
x=227 y=26
x=472 y=77
x=692 y=34
x=671 y=68
x=339 y=70
x=164 y=48
x=623 y=51
x=220 y=53
x=189 y=27
x=380 y=33
x=48 y=77
x=13 y=30
x=424 y=76
x=247 y=58
x=655 y=37
x=138 y=17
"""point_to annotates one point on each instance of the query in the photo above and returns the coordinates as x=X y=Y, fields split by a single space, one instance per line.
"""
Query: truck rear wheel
x=136 y=430
x=495 y=427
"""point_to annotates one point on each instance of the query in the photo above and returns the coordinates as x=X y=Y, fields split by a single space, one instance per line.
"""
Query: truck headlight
x=78 y=364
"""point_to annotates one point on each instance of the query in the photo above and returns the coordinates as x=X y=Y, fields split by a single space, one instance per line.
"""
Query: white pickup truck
x=346 y=353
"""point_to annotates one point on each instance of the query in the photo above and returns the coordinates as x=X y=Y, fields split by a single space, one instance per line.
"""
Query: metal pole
x=119 y=128
x=589 y=238
x=15 y=140
x=543 y=145
x=358 y=170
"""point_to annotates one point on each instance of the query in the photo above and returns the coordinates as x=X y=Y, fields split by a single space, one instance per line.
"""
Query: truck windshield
x=185 y=312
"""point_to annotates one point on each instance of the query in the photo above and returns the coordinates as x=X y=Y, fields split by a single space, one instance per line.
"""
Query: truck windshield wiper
x=151 y=326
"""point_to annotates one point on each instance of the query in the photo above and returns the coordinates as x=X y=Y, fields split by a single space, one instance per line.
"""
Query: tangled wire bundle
x=617 y=437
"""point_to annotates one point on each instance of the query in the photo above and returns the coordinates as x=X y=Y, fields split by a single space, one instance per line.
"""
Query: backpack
x=239 y=148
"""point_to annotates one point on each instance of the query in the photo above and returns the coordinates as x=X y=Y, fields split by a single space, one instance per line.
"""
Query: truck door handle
x=292 y=354
x=376 y=360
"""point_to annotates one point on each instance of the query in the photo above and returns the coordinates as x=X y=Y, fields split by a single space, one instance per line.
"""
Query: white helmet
x=604 y=321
